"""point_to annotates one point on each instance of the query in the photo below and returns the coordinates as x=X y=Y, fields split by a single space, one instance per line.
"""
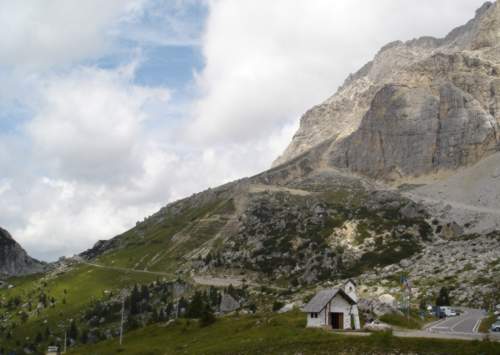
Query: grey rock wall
x=14 y=260
x=419 y=107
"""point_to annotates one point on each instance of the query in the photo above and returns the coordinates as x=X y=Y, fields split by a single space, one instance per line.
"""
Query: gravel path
x=219 y=281
x=123 y=269
x=459 y=205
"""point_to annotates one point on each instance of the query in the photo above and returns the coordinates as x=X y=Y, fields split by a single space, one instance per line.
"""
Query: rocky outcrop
x=14 y=260
x=417 y=130
x=468 y=265
x=228 y=304
x=419 y=107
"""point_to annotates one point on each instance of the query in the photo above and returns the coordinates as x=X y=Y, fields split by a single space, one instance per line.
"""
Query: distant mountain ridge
x=14 y=260
x=420 y=107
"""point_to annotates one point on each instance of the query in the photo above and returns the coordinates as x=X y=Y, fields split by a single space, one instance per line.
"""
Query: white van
x=448 y=312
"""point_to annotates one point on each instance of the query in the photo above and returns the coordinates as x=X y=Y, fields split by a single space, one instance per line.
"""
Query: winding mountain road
x=201 y=280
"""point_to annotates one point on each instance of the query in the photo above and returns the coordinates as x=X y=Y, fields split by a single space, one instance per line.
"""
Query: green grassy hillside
x=271 y=334
x=299 y=232
x=41 y=302
x=282 y=236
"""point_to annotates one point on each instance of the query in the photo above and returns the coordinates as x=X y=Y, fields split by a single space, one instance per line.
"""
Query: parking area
x=466 y=323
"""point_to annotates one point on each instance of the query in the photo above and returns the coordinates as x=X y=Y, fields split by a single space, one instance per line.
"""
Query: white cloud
x=269 y=61
x=101 y=171
x=36 y=34
x=89 y=123
x=68 y=217
x=5 y=185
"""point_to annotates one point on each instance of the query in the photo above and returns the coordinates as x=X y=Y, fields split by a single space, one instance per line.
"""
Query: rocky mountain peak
x=13 y=258
x=419 y=107
x=481 y=32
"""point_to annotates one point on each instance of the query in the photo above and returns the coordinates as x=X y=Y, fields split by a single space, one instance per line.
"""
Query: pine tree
x=230 y=290
x=144 y=293
x=84 y=338
x=443 y=298
x=181 y=305
x=43 y=299
x=155 y=316
x=207 y=317
x=214 y=297
x=73 y=330
x=135 y=298
x=195 y=307
x=24 y=317
x=169 y=310
x=162 y=316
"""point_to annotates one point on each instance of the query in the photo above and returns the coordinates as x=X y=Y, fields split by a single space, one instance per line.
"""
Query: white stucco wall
x=316 y=322
x=355 y=312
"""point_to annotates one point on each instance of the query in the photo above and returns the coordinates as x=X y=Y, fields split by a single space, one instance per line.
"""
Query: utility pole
x=65 y=340
x=122 y=321
x=406 y=285
x=408 y=290
x=409 y=302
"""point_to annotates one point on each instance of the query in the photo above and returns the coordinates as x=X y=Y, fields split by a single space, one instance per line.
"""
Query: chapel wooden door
x=337 y=320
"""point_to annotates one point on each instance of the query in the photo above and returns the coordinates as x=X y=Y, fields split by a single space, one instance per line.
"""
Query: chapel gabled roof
x=351 y=280
x=320 y=300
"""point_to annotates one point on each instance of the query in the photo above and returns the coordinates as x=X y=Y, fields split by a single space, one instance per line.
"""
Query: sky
x=111 y=109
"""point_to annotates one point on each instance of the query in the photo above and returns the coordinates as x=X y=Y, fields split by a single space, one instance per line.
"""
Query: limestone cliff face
x=14 y=260
x=414 y=131
x=419 y=107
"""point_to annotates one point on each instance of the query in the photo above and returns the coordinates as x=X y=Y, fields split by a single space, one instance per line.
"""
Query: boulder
x=376 y=307
x=228 y=304
x=377 y=326
x=387 y=299
x=287 y=308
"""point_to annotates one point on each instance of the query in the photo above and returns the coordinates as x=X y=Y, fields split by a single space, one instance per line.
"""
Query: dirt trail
x=256 y=188
x=123 y=269
x=219 y=281
x=200 y=280
x=454 y=204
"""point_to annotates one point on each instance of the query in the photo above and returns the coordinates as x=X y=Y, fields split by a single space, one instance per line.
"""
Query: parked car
x=447 y=311
x=450 y=313
x=495 y=327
